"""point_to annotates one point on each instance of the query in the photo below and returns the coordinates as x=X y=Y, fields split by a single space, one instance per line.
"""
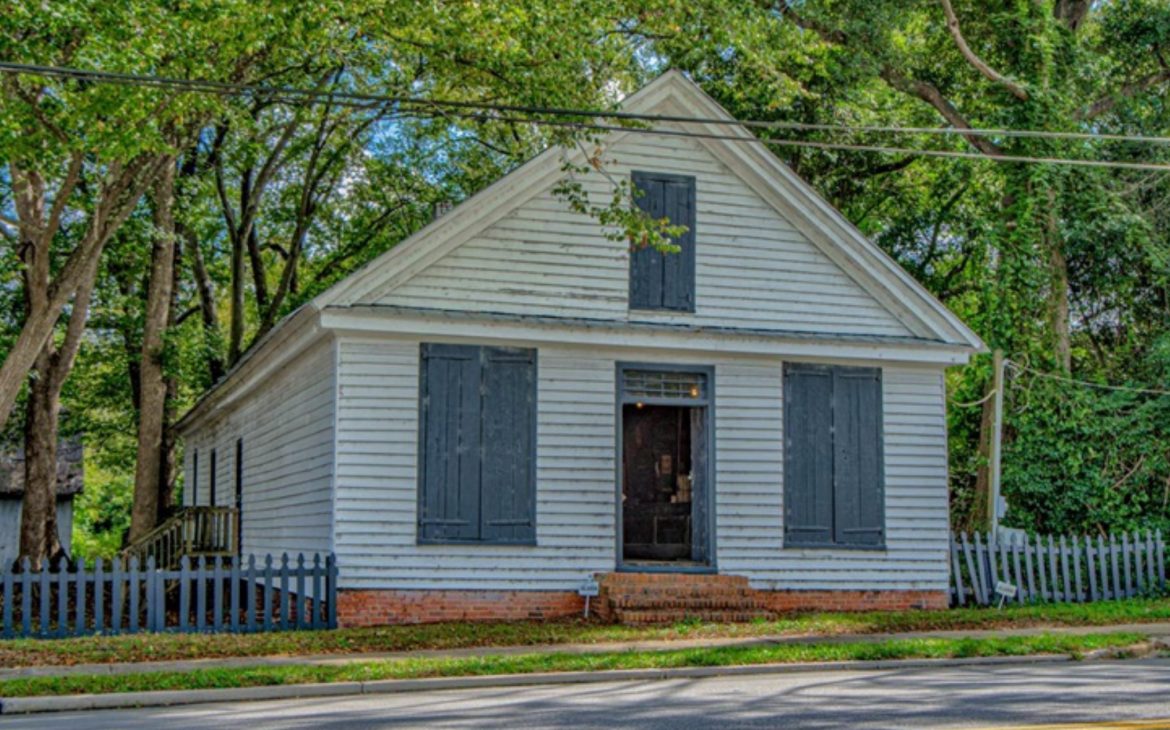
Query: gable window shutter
x=477 y=444
x=834 y=473
x=658 y=280
x=509 y=459
x=449 y=443
x=859 y=507
x=808 y=461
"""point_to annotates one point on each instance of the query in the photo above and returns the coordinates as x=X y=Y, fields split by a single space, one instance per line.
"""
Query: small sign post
x=1004 y=591
x=589 y=589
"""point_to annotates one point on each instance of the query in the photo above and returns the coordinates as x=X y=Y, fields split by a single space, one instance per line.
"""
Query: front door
x=665 y=468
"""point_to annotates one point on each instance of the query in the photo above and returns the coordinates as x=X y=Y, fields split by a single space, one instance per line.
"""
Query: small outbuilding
x=70 y=483
x=511 y=409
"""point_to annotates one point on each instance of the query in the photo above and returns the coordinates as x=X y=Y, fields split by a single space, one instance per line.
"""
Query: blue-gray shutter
x=658 y=280
x=449 y=448
x=508 y=496
x=808 y=455
x=859 y=504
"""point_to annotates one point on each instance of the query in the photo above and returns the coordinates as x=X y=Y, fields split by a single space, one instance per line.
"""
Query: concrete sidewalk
x=1153 y=630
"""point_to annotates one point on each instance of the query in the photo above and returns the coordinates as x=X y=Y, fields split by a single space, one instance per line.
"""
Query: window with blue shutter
x=833 y=469
x=665 y=281
x=477 y=444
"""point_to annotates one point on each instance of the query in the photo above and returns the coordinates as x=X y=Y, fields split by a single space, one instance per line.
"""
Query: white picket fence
x=1068 y=569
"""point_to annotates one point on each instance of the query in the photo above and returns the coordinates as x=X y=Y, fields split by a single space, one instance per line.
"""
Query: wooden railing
x=193 y=531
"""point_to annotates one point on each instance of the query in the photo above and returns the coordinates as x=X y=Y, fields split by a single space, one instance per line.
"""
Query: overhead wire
x=485 y=111
x=1089 y=384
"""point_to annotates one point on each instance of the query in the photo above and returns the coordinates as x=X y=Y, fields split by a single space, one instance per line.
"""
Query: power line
x=231 y=88
x=1052 y=376
x=477 y=110
x=841 y=146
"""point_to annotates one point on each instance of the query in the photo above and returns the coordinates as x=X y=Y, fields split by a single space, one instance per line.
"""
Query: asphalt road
x=1024 y=695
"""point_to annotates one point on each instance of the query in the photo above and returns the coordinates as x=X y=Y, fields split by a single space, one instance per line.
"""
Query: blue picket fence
x=204 y=596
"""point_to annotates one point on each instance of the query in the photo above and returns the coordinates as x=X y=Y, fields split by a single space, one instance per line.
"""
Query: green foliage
x=1084 y=460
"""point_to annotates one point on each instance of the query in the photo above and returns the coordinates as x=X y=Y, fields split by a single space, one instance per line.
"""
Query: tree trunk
x=976 y=519
x=209 y=312
x=39 y=539
x=116 y=201
x=1058 y=292
x=149 y=474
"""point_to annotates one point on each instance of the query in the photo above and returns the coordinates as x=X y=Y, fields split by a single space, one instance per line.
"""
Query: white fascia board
x=287 y=341
x=369 y=322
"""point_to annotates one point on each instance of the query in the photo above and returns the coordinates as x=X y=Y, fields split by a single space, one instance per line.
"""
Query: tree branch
x=929 y=93
x=1127 y=91
x=972 y=58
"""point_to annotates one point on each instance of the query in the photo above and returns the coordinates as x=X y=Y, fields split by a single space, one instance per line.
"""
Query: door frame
x=708 y=404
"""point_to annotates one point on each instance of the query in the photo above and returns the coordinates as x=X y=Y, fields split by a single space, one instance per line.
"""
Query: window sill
x=830 y=547
x=478 y=543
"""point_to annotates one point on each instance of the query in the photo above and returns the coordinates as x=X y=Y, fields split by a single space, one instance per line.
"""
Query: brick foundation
x=648 y=598
x=357 y=609
x=781 y=601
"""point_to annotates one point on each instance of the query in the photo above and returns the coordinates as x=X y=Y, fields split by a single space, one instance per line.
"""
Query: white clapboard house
x=510 y=409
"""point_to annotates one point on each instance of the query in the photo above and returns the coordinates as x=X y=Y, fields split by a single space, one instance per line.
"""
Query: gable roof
x=674 y=94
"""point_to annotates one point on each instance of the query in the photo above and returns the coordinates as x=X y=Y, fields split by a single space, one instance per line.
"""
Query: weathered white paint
x=287 y=427
x=328 y=405
x=11 y=510
x=752 y=164
x=576 y=493
x=754 y=268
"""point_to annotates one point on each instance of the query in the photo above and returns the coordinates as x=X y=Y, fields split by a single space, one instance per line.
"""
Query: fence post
x=201 y=594
x=81 y=623
x=26 y=591
x=331 y=577
x=317 y=622
x=284 y=592
x=956 y=571
x=250 y=608
x=1028 y=566
x=301 y=622
x=985 y=588
x=267 y=593
x=1159 y=552
x=1125 y=554
x=234 y=577
x=9 y=597
x=217 y=609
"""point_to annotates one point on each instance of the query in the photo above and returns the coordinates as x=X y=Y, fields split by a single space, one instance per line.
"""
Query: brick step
x=697 y=603
x=655 y=616
x=688 y=601
x=671 y=594
x=619 y=581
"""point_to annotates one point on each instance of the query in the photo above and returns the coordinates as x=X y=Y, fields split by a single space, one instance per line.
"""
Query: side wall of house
x=576 y=496
x=287 y=428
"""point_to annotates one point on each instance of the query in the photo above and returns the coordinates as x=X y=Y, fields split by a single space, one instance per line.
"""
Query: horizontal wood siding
x=754 y=269
x=750 y=492
x=287 y=427
x=377 y=479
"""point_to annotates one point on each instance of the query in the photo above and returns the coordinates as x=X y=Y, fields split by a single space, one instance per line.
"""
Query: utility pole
x=996 y=445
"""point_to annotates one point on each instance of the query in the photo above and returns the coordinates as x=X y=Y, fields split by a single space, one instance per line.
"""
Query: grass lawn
x=563 y=662
x=157 y=647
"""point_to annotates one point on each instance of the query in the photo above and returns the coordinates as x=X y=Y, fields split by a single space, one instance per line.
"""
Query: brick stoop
x=655 y=598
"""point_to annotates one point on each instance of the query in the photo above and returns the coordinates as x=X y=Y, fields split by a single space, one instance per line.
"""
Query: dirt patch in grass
x=165 y=647
x=564 y=662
